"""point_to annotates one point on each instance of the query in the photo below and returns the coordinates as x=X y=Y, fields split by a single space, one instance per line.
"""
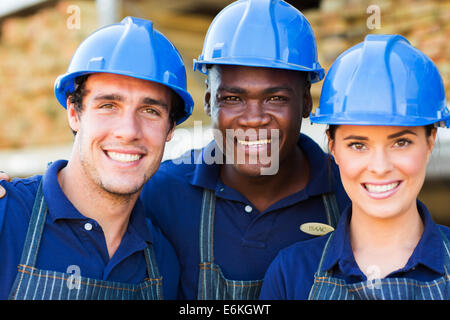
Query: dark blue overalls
x=35 y=284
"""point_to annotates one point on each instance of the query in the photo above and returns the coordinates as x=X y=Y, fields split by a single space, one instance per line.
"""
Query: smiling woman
x=382 y=132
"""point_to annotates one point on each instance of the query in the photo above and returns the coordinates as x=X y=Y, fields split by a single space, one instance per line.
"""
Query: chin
x=249 y=170
x=384 y=211
x=122 y=187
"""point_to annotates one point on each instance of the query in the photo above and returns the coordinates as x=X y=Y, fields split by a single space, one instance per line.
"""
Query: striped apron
x=212 y=283
x=326 y=287
x=35 y=284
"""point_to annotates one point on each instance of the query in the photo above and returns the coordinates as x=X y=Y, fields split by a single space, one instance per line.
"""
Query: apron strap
x=331 y=208
x=207 y=226
x=35 y=229
x=324 y=252
x=446 y=251
x=152 y=265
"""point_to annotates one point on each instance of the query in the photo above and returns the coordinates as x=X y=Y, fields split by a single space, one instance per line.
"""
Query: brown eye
x=106 y=106
x=277 y=99
x=357 y=146
x=402 y=143
x=231 y=98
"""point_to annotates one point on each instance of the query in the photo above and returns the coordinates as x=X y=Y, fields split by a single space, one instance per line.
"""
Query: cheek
x=93 y=130
x=221 y=122
x=413 y=165
x=351 y=171
x=350 y=166
x=156 y=134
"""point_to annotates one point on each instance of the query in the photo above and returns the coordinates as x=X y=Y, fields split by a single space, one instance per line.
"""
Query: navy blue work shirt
x=69 y=238
x=245 y=240
x=291 y=275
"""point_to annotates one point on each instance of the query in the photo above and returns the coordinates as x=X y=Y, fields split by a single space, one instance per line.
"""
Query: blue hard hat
x=383 y=81
x=261 y=33
x=131 y=48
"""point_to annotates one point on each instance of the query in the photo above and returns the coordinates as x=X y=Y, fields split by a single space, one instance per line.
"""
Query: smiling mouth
x=381 y=188
x=254 y=142
x=123 y=157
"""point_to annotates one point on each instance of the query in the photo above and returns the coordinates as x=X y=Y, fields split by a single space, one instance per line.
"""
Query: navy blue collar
x=428 y=252
x=59 y=207
x=207 y=175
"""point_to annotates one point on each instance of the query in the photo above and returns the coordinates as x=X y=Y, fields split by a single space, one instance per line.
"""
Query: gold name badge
x=316 y=228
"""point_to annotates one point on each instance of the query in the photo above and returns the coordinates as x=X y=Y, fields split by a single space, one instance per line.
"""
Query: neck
x=264 y=190
x=112 y=212
x=384 y=242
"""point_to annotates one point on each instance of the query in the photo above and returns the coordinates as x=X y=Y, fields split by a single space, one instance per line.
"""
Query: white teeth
x=123 y=157
x=376 y=188
x=255 y=142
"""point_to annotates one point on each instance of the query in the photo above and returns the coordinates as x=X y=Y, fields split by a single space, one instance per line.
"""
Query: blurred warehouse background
x=38 y=38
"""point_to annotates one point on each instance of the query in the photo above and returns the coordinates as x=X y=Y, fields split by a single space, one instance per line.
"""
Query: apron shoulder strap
x=35 y=229
x=331 y=209
x=446 y=251
x=152 y=265
x=207 y=226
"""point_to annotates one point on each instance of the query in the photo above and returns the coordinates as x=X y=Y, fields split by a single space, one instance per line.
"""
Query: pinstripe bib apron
x=35 y=284
x=212 y=283
x=326 y=287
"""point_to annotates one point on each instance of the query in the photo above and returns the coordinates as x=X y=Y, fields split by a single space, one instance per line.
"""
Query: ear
x=171 y=132
x=207 y=105
x=72 y=116
x=307 y=100
x=331 y=146
x=431 y=142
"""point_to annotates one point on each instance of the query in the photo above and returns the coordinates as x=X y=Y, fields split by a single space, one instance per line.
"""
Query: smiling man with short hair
x=79 y=231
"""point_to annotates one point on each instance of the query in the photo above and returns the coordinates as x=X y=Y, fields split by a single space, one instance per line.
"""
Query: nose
x=127 y=127
x=254 y=115
x=380 y=162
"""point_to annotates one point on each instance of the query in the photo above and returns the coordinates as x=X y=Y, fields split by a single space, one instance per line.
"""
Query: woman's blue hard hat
x=383 y=81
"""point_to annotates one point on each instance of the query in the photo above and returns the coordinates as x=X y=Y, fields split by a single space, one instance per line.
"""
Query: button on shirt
x=245 y=240
x=291 y=275
x=70 y=239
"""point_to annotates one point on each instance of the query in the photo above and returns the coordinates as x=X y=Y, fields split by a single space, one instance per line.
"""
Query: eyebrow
x=117 y=97
x=155 y=102
x=266 y=91
x=356 y=138
x=231 y=89
x=278 y=89
x=401 y=133
x=109 y=96
x=392 y=136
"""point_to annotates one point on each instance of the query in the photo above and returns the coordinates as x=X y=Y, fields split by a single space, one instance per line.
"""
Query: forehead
x=242 y=76
x=126 y=86
x=376 y=132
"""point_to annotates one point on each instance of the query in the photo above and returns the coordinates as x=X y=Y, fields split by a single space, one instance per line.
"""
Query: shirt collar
x=207 y=174
x=428 y=252
x=430 y=249
x=59 y=207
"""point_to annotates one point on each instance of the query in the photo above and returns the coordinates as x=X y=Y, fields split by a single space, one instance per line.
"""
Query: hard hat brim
x=371 y=119
x=317 y=73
